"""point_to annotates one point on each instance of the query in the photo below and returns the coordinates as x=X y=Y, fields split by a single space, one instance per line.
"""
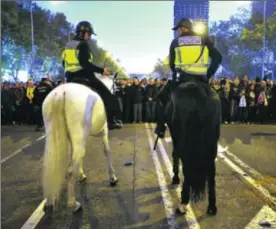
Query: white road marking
x=167 y=200
x=190 y=216
x=254 y=172
x=42 y=137
x=18 y=151
x=266 y=214
x=35 y=217
x=14 y=153
x=263 y=191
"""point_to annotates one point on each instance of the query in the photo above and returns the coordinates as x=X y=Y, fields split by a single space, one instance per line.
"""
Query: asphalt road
x=144 y=197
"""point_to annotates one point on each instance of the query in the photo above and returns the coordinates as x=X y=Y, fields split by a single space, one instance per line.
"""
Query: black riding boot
x=113 y=113
x=163 y=96
x=161 y=127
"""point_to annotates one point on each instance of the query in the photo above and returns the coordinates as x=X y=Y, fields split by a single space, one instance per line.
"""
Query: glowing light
x=200 y=28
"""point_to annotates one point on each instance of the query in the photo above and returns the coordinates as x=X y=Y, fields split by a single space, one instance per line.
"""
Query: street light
x=32 y=32
x=264 y=38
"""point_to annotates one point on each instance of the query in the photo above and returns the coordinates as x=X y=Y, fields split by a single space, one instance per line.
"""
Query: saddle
x=84 y=81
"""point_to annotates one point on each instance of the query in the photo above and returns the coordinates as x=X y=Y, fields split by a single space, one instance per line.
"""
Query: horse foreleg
x=112 y=177
x=185 y=196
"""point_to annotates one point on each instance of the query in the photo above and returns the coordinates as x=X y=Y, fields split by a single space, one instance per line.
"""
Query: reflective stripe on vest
x=186 y=56
x=70 y=57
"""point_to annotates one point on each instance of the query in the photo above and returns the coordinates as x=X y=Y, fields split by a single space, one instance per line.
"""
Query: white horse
x=71 y=112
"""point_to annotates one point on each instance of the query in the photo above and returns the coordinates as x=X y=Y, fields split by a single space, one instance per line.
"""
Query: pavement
x=143 y=198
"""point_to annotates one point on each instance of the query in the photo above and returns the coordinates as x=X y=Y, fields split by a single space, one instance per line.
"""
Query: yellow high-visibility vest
x=187 y=53
x=70 y=57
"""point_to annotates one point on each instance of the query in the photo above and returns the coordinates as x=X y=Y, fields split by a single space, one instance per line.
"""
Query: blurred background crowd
x=242 y=100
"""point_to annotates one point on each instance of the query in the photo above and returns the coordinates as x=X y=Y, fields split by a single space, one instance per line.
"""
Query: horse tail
x=190 y=111
x=57 y=148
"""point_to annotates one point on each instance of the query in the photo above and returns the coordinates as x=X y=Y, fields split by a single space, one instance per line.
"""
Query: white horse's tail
x=57 y=148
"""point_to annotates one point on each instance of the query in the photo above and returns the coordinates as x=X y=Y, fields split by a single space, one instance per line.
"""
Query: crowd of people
x=21 y=102
x=242 y=100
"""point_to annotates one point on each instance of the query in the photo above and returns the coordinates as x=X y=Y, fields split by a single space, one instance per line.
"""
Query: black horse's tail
x=191 y=114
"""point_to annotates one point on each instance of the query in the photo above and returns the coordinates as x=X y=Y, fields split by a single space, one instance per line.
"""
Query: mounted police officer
x=189 y=55
x=77 y=61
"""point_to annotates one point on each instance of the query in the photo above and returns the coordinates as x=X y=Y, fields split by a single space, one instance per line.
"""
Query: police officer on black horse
x=192 y=112
x=189 y=58
x=77 y=61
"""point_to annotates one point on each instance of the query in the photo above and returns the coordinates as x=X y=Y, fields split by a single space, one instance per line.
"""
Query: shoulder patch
x=189 y=40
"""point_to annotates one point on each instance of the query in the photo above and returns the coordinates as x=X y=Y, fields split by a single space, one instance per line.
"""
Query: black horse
x=193 y=115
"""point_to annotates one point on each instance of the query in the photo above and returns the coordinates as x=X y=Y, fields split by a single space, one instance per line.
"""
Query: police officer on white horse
x=77 y=61
x=189 y=57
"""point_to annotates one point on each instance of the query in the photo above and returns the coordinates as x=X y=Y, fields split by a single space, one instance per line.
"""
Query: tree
x=162 y=67
x=254 y=34
x=237 y=54
x=51 y=33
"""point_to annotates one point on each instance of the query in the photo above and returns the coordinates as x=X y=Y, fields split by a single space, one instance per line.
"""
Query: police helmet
x=184 y=22
x=83 y=27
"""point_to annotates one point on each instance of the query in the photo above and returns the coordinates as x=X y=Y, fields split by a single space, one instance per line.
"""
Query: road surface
x=144 y=197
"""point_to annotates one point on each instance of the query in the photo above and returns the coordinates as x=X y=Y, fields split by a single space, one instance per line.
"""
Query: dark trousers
x=8 y=114
x=251 y=114
x=20 y=114
x=38 y=116
x=243 y=114
x=110 y=101
x=151 y=108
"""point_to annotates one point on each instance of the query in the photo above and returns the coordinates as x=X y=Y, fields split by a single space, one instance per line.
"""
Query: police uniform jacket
x=40 y=93
x=186 y=50
x=77 y=60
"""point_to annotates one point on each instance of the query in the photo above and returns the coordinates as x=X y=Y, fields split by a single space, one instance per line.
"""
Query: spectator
x=30 y=95
x=138 y=98
x=251 y=103
x=19 y=92
x=242 y=107
x=151 y=93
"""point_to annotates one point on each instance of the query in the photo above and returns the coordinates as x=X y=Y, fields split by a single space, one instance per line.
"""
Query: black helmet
x=184 y=22
x=83 y=27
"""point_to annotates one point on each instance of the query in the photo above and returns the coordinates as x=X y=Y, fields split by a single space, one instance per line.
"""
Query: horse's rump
x=194 y=114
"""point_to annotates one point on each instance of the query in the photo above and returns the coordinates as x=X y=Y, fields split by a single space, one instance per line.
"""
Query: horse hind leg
x=82 y=176
x=75 y=168
x=72 y=203
x=175 y=179
x=112 y=177
x=212 y=208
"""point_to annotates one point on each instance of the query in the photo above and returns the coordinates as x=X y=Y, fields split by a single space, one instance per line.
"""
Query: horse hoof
x=182 y=209
x=75 y=206
x=48 y=209
x=175 y=180
x=212 y=210
x=82 y=178
x=113 y=182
